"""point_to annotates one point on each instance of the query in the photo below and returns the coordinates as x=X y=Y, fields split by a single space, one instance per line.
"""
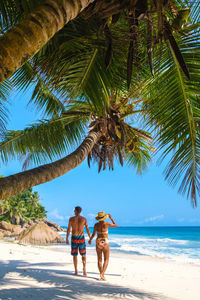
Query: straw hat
x=101 y=216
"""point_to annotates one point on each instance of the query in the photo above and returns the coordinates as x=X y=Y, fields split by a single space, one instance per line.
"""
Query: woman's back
x=102 y=229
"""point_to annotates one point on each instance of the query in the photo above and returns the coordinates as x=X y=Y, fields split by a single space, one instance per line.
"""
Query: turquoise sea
x=177 y=243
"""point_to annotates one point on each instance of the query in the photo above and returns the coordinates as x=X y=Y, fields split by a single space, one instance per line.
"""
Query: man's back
x=77 y=224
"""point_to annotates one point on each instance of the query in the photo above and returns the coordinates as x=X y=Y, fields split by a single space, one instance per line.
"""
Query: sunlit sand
x=31 y=272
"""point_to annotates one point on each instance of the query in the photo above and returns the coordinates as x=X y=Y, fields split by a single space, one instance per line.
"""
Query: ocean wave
x=158 y=247
x=144 y=240
x=175 y=249
x=176 y=255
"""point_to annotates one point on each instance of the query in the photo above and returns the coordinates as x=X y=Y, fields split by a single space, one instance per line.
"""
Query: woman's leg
x=106 y=253
x=99 y=259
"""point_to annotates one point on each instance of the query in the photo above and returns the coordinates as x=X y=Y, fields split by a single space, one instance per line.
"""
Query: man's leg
x=99 y=259
x=74 y=253
x=75 y=261
x=106 y=253
x=84 y=265
x=82 y=251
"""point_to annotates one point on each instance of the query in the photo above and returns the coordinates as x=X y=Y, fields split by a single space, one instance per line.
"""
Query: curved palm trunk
x=17 y=183
x=31 y=34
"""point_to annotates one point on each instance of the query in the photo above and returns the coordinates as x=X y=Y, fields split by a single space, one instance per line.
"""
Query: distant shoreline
x=170 y=226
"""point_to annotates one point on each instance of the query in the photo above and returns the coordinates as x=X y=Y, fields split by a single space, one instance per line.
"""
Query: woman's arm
x=114 y=224
x=93 y=235
x=87 y=228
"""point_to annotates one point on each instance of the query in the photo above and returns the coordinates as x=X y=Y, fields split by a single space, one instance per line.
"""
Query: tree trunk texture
x=17 y=183
x=26 y=38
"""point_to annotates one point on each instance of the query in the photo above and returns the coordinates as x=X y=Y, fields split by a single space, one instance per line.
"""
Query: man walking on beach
x=77 y=224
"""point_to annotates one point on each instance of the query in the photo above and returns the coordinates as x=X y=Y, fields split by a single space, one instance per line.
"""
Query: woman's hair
x=78 y=209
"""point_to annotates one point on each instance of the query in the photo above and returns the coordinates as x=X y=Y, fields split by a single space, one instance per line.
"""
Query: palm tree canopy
x=105 y=49
x=52 y=138
x=32 y=30
x=24 y=206
x=160 y=19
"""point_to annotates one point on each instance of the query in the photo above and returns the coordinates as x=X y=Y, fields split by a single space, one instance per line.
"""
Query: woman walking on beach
x=102 y=242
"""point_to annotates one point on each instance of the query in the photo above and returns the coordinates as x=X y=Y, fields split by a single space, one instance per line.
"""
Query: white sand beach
x=45 y=273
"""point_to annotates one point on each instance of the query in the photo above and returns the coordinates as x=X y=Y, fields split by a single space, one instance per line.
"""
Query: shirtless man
x=77 y=224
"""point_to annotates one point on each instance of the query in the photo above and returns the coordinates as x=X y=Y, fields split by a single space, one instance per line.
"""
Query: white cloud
x=152 y=219
x=91 y=216
x=55 y=214
x=181 y=220
x=195 y=220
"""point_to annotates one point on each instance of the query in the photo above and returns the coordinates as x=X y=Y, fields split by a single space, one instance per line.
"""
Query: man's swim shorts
x=78 y=243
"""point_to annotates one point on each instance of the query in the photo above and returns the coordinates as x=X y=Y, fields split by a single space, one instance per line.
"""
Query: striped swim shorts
x=78 y=243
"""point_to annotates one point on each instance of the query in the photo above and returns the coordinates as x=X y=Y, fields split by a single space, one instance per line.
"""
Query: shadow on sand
x=60 y=284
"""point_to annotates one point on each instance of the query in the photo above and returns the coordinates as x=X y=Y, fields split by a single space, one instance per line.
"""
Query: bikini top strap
x=102 y=232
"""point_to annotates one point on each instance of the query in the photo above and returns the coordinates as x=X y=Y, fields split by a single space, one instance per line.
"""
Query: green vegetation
x=22 y=208
x=117 y=62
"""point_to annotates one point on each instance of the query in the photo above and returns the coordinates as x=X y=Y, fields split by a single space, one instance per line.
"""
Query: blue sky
x=132 y=199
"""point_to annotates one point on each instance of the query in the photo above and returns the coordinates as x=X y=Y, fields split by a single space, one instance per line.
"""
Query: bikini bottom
x=102 y=242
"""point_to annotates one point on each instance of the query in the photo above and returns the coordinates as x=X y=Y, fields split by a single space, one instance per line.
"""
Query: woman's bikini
x=101 y=242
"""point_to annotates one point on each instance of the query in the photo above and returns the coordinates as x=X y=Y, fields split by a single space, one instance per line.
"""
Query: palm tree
x=22 y=208
x=109 y=137
x=31 y=33
x=71 y=65
x=12 y=210
x=4 y=93
x=28 y=27
x=175 y=117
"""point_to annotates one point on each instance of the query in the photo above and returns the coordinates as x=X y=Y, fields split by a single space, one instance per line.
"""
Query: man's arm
x=113 y=222
x=93 y=234
x=87 y=228
x=68 y=231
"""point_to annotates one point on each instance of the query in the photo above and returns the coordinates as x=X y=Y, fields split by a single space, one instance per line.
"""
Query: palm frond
x=44 y=96
x=138 y=148
x=195 y=10
x=139 y=160
x=81 y=71
x=5 y=89
x=11 y=11
x=44 y=140
x=174 y=110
